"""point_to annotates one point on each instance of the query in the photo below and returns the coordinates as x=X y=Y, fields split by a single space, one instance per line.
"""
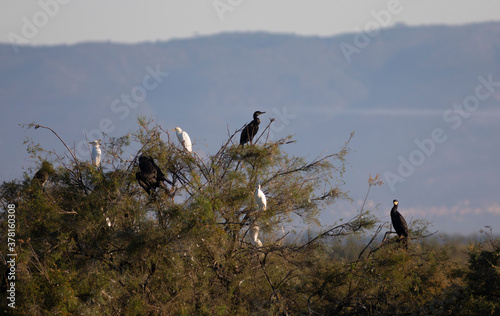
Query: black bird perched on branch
x=43 y=174
x=251 y=129
x=150 y=176
x=399 y=224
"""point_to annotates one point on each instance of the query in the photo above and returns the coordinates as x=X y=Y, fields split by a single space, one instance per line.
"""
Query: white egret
x=183 y=138
x=251 y=129
x=260 y=198
x=255 y=235
x=96 y=153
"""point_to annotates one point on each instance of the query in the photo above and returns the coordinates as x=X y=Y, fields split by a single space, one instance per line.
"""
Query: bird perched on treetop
x=150 y=176
x=251 y=129
x=96 y=153
x=260 y=199
x=43 y=174
x=399 y=223
x=183 y=138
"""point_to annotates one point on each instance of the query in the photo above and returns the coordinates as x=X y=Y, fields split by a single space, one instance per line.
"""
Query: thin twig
x=265 y=129
x=379 y=229
x=64 y=143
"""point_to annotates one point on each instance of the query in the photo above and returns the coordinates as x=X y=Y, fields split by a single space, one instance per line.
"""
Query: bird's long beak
x=173 y=129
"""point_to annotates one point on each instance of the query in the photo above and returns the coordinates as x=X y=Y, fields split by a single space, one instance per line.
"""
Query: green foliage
x=92 y=241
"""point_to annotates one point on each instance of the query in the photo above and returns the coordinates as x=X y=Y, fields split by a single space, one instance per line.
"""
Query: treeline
x=90 y=240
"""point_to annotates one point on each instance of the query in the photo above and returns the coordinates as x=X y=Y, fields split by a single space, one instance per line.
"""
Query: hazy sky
x=71 y=21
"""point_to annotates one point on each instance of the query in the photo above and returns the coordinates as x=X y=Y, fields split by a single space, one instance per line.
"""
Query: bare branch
x=62 y=141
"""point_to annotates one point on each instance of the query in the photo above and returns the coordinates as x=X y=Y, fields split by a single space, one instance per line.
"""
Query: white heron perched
x=260 y=198
x=183 y=138
x=96 y=153
x=255 y=235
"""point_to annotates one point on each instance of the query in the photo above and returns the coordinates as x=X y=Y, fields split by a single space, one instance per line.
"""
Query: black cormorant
x=43 y=174
x=150 y=176
x=399 y=223
x=251 y=129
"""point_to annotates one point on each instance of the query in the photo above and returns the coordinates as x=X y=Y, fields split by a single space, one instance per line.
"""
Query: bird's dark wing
x=404 y=226
x=399 y=223
x=41 y=175
x=160 y=176
x=244 y=135
x=159 y=173
x=248 y=132
x=254 y=130
x=145 y=164
x=144 y=181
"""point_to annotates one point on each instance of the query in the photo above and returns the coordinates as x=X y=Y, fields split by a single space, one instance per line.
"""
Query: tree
x=92 y=240
x=189 y=252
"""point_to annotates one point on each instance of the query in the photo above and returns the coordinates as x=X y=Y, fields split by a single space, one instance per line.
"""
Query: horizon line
x=196 y=35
